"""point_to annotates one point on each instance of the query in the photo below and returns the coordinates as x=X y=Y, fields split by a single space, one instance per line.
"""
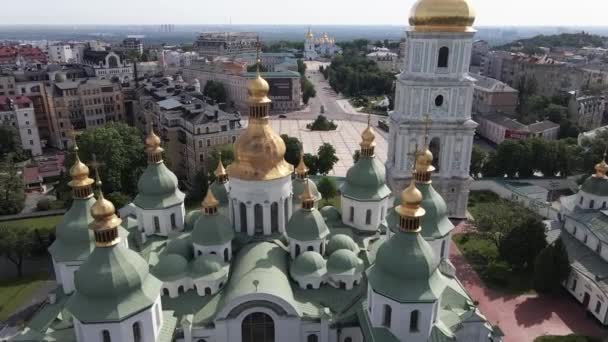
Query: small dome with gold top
x=424 y=161
x=442 y=16
x=79 y=173
x=258 y=89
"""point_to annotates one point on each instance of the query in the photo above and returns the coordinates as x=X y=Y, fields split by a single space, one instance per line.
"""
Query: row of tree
x=17 y=244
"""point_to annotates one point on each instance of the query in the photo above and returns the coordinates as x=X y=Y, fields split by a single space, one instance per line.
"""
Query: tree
x=215 y=91
x=308 y=90
x=496 y=219
x=327 y=158
x=118 y=199
x=254 y=68
x=293 y=148
x=478 y=157
x=16 y=244
x=520 y=246
x=551 y=268
x=302 y=68
x=311 y=162
x=356 y=156
x=120 y=149
x=10 y=143
x=321 y=123
x=508 y=156
x=199 y=187
x=12 y=194
x=227 y=152
x=327 y=188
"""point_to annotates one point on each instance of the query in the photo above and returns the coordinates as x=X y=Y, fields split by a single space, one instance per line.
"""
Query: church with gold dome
x=260 y=261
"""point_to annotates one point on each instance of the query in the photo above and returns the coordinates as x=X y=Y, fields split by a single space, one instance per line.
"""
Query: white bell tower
x=436 y=82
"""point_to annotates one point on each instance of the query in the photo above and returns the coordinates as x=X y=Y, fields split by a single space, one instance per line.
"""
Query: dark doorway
x=258 y=327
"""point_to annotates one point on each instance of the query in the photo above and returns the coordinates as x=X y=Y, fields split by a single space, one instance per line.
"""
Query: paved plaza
x=345 y=140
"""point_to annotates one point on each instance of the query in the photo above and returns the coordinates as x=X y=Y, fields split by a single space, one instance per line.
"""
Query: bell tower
x=436 y=82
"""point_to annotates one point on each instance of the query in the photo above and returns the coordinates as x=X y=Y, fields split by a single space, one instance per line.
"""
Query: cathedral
x=260 y=261
x=323 y=46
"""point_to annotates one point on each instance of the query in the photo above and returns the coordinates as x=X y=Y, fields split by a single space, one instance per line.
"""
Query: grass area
x=568 y=338
x=477 y=197
x=46 y=222
x=13 y=294
x=482 y=254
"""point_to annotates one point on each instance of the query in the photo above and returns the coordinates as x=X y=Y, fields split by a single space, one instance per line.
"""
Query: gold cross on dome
x=258 y=46
x=95 y=165
x=73 y=134
x=413 y=156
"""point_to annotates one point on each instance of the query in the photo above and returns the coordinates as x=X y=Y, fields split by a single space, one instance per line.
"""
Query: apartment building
x=215 y=44
x=492 y=96
x=586 y=111
x=18 y=111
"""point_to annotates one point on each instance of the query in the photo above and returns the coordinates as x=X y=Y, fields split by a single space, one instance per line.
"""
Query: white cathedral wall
x=438 y=245
x=65 y=272
x=590 y=201
x=285 y=327
x=378 y=209
x=579 y=285
x=145 y=218
x=150 y=322
x=217 y=250
x=354 y=333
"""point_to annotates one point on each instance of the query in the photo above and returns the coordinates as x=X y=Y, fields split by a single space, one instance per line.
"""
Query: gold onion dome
x=220 y=170
x=210 y=202
x=424 y=161
x=442 y=16
x=258 y=89
x=411 y=198
x=152 y=140
x=368 y=136
x=601 y=168
x=301 y=169
x=79 y=173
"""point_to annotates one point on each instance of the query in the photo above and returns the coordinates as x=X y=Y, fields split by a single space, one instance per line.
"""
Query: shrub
x=43 y=205
x=321 y=123
x=497 y=272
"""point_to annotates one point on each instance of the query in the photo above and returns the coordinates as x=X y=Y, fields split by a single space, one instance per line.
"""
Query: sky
x=307 y=12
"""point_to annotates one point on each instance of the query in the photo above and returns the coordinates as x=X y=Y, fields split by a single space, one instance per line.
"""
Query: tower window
x=444 y=55
x=439 y=101
x=105 y=336
x=352 y=214
x=386 y=318
x=136 y=332
x=414 y=318
x=368 y=216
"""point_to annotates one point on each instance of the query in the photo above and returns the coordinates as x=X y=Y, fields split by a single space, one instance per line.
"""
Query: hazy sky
x=393 y=12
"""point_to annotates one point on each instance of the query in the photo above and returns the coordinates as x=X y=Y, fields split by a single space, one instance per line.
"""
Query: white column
x=250 y=220
x=237 y=215
x=290 y=206
x=266 y=213
x=230 y=211
x=282 y=215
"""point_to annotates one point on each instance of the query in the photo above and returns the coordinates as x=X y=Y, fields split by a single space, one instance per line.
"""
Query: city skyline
x=340 y=12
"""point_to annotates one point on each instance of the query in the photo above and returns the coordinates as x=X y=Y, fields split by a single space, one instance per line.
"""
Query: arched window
x=226 y=255
x=165 y=291
x=105 y=336
x=348 y=339
x=444 y=56
x=113 y=62
x=312 y=338
x=297 y=249
x=156 y=224
x=258 y=214
x=173 y=221
x=286 y=207
x=310 y=249
x=439 y=101
x=180 y=289
x=368 y=216
x=274 y=217
x=381 y=214
x=257 y=327
x=387 y=316
x=574 y=231
x=136 y=332
x=581 y=201
x=309 y=286
x=243 y=212
x=207 y=130
x=207 y=291
x=414 y=318
x=352 y=214
x=591 y=204
x=442 y=249
x=435 y=148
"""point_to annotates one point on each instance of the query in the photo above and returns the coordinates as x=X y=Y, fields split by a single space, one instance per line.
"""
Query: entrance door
x=258 y=327
x=586 y=300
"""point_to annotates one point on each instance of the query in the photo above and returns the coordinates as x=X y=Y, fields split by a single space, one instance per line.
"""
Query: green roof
x=220 y=192
x=595 y=186
x=341 y=241
x=114 y=283
x=157 y=188
x=298 y=190
x=208 y=265
x=307 y=225
x=594 y=220
x=343 y=261
x=308 y=263
x=180 y=245
x=74 y=240
x=331 y=214
x=366 y=181
x=435 y=222
x=212 y=230
x=170 y=267
x=191 y=218
x=406 y=270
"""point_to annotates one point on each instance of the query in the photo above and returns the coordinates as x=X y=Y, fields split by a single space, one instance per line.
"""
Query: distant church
x=323 y=46
x=259 y=261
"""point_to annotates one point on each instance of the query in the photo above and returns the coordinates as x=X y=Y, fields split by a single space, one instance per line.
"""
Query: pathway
x=525 y=317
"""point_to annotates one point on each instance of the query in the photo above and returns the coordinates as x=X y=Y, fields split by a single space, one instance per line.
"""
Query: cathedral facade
x=317 y=47
x=259 y=261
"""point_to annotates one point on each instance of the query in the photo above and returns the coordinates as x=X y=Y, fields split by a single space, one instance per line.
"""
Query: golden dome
x=80 y=174
x=210 y=201
x=411 y=198
x=258 y=89
x=301 y=169
x=259 y=154
x=424 y=161
x=220 y=170
x=104 y=214
x=368 y=136
x=152 y=140
x=601 y=169
x=309 y=34
x=442 y=16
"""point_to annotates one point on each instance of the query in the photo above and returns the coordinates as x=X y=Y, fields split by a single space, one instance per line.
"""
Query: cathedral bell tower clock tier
x=435 y=90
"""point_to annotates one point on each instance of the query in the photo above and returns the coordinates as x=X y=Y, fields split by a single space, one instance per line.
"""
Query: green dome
x=595 y=186
x=220 y=192
x=298 y=190
x=341 y=241
x=207 y=265
x=180 y=246
x=366 y=181
x=343 y=261
x=170 y=267
x=435 y=222
x=406 y=269
x=112 y=284
x=74 y=239
x=307 y=225
x=191 y=218
x=308 y=263
x=331 y=214
x=157 y=188
x=212 y=230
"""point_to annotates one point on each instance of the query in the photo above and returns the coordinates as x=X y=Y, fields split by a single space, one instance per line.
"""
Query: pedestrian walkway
x=522 y=318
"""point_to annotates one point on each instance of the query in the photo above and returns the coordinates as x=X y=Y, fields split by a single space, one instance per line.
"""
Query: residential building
x=586 y=111
x=546 y=129
x=132 y=44
x=60 y=53
x=319 y=47
x=108 y=65
x=18 y=111
x=215 y=44
x=21 y=55
x=7 y=85
x=385 y=59
x=492 y=96
x=481 y=48
x=271 y=61
x=498 y=128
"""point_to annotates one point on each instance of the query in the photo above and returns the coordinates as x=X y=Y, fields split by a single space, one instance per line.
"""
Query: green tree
x=327 y=158
x=10 y=143
x=478 y=156
x=293 y=149
x=308 y=90
x=199 y=187
x=551 y=268
x=12 y=194
x=490 y=166
x=227 y=152
x=321 y=123
x=215 y=90
x=520 y=246
x=311 y=162
x=254 y=68
x=120 y=149
x=496 y=219
x=16 y=245
x=302 y=68
x=508 y=157
x=118 y=199
x=327 y=188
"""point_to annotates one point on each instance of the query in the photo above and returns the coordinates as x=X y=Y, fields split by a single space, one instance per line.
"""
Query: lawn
x=13 y=294
x=34 y=223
